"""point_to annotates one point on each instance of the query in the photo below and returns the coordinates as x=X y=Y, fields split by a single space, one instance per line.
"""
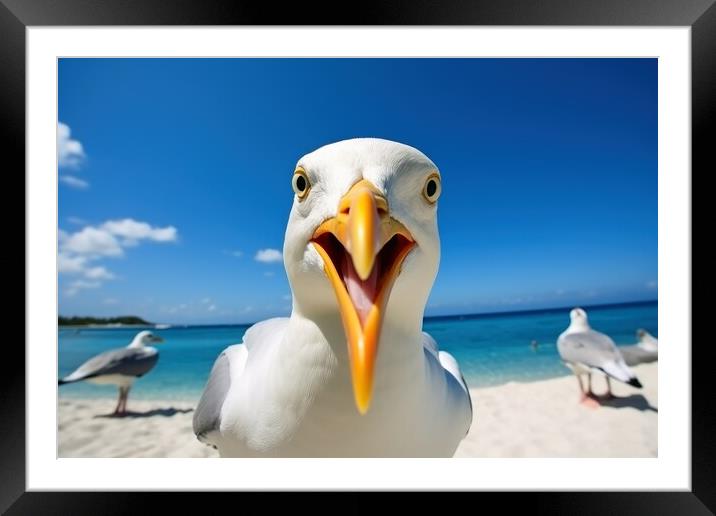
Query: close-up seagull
x=350 y=373
x=585 y=351
x=121 y=367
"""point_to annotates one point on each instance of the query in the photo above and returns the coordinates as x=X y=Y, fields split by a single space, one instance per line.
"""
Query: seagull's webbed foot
x=590 y=400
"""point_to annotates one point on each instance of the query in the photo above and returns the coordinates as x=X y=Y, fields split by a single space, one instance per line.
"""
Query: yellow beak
x=362 y=249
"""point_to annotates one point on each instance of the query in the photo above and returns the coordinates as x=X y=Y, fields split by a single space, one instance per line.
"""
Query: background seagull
x=350 y=373
x=644 y=351
x=584 y=351
x=646 y=340
x=119 y=366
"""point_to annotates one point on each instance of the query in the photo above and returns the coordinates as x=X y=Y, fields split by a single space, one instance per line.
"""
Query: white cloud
x=110 y=301
x=70 y=264
x=78 y=285
x=78 y=250
x=205 y=301
x=211 y=308
x=69 y=152
x=76 y=265
x=236 y=254
x=98 y=273
x=268 y=256
x=103 y=241
x=269 y=274
x=651 y=285
x=86 y=284
x=77 y=221
x=74 y=182
x=287 y=297
x=132 y=231
x=91 y=241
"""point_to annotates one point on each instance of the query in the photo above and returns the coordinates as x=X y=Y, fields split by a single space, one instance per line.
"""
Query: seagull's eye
x=432 y=189
x=301 y=184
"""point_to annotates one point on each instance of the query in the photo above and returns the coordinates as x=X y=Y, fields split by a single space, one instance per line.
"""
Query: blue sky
x=175 y=177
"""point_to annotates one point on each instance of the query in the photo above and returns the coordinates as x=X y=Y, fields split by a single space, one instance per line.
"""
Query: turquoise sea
x=491 y=348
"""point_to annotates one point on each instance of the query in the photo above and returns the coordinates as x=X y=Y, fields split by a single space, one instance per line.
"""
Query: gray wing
x=258 y=339
x=456 y=381
x=597 y=351
x=124 y=361
x=634 y=355
x=207 y=416
x=589 y=348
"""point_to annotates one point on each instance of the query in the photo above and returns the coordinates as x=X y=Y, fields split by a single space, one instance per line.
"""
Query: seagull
x=119 y=366
x=584 y=351
x=644 y=351
x=646 y=340
x=350 y=373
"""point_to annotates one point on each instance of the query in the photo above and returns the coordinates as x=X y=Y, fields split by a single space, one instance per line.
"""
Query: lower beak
x=363 y=249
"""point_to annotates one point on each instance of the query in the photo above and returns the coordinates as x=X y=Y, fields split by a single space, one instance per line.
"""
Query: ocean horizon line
x=451 y=317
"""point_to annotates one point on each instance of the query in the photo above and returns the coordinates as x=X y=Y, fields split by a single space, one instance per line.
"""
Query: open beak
x=363 y=249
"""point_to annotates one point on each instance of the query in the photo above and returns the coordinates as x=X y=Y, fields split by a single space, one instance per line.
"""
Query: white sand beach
x=150 y=429
x=544 y=419
x=536 y=419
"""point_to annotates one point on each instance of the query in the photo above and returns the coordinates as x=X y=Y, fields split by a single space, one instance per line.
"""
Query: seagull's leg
x=119 y=403
x=123 y=404
x=588 y=398
x=126 y=396
x=609 y=394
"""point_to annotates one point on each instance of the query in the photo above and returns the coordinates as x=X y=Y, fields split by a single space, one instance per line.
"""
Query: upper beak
x=157 y=338
x=362 y=248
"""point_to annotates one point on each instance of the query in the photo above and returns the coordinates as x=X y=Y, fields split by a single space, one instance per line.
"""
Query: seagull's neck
x=578 y=326
x=136 y=343
x=400 y=344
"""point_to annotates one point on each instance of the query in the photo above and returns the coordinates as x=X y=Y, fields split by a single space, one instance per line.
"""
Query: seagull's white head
x=642 y=334
x=362 y=243
x=646 y=339
x=145 y=338
x=578 y=318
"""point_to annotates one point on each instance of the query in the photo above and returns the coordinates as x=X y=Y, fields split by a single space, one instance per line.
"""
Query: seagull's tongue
x=362 y=293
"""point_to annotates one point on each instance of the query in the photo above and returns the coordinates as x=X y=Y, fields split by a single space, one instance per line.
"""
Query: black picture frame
x=17 y=15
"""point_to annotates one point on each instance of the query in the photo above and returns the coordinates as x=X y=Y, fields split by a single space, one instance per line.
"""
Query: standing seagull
x=644 y=351
x=584 y=351
x=119 y=366
x=350 y=373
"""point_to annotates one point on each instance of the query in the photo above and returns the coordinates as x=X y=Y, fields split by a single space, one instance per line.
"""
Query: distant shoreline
x=429 y=318
x=104 y=326
x=537 y=310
